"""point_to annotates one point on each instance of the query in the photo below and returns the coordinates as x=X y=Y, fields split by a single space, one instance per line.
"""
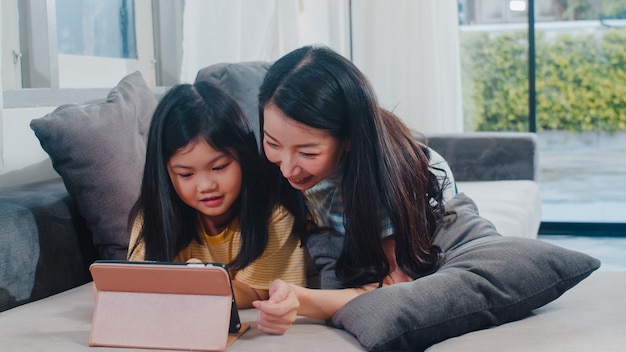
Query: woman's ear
x=347 y=145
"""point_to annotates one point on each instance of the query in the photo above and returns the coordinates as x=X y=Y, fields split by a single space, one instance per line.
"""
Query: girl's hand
x=279 y=312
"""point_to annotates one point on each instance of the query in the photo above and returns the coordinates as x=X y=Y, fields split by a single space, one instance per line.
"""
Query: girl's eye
x=308 y=155
x=187 y=175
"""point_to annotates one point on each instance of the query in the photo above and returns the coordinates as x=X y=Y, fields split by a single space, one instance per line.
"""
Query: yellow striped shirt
x=283 y=257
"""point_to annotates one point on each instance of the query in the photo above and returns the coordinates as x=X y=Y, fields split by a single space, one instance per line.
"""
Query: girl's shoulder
x=280 y=214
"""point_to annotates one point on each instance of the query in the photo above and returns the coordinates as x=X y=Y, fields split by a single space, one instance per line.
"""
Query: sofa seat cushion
x=589 y=317
x=514 y=206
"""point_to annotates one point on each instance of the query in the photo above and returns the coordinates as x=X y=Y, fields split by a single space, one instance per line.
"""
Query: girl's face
x=305 y=155
x=207 y=180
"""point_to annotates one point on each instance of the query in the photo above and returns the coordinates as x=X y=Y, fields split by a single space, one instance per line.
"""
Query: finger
x=272 y=329
x=279 y=290
x=269 y=309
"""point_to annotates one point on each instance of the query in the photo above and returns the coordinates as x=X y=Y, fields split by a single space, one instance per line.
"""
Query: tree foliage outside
x=580 y=81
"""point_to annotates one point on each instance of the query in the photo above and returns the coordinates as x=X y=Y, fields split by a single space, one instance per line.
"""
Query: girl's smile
x=212 y=201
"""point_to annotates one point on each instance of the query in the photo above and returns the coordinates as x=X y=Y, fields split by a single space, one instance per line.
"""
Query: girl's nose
x=206 y=184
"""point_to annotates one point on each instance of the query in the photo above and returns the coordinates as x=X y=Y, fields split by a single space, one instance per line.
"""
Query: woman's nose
x=289 y=167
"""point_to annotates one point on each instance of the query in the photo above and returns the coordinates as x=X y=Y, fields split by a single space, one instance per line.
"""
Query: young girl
x=205 y=196
x=364 y=176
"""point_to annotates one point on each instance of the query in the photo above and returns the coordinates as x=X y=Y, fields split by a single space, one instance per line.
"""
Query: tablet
x=186 y=306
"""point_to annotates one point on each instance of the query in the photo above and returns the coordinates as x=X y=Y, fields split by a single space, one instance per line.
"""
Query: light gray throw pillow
x=241 y=80
x=99 y=150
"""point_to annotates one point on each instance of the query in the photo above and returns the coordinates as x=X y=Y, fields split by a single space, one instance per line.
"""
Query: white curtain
x=409 y=49
x=1 y=98
x=217 y=31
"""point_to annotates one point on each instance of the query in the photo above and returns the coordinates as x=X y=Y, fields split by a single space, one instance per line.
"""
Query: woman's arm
x=288 y=301
x=323 y=304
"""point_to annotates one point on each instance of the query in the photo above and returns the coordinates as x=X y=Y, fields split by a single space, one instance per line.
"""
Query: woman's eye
x=270 y=144
x=187 y=175
x=308 y=155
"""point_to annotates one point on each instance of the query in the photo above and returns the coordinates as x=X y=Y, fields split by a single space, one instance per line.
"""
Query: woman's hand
x=396 y=275
x=279 y=312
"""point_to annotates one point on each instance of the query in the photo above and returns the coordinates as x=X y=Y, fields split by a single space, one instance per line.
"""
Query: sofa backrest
x=242 y=81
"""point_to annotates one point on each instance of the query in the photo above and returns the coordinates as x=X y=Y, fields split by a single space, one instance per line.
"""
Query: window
x=66 y=44
x=578 y=112
x=73 y=64
x=96 y=28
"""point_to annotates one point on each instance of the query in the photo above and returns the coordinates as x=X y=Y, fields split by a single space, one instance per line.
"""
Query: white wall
x=24 y=159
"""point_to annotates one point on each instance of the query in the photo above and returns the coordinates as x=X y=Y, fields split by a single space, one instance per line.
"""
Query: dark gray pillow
x=485 y=280
x=242 y=81
x=99 y=150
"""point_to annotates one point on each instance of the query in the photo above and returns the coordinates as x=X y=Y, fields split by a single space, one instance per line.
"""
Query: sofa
x=53 y=230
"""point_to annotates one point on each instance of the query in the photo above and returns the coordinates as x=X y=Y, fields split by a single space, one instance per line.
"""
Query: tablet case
x=166 y=306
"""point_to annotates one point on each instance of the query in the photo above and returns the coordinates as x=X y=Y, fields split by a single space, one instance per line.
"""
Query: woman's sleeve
x=439 y=166
x=323 y=250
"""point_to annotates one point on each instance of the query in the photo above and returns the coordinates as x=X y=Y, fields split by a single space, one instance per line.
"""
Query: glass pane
x=580 y=96
x=96 y=28
x=581 y=110
x=494 y=65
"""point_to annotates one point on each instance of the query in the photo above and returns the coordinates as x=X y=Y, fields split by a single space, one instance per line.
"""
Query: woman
x=363 y=173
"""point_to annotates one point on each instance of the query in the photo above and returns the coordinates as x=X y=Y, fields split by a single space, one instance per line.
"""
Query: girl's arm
x=245 y=295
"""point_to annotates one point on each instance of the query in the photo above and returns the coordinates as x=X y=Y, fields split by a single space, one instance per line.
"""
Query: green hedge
x=580 y=81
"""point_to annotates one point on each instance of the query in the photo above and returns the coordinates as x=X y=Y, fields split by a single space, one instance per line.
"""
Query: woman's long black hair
x=386 y=170
x=189 y=114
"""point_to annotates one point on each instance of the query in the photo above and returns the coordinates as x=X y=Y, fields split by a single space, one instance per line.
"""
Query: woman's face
x=207 y=180
x=305 y=155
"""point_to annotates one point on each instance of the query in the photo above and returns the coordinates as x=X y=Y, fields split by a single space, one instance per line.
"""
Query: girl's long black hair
x=386 y=170
x=189 y=114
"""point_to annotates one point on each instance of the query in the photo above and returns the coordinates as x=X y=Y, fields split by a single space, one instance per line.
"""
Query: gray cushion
x=485 y=280
x=99 y=151
x=242 y=81
x=488 y=156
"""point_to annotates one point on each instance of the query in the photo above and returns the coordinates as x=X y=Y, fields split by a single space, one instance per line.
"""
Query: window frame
x=158 y=23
